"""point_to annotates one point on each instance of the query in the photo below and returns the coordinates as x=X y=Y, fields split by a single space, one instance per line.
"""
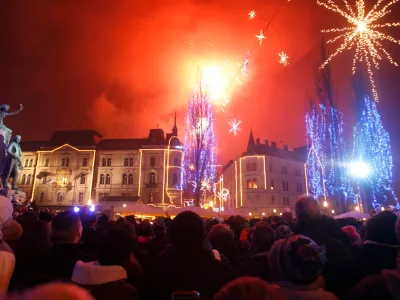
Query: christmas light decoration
x=283 y=58
x=372 y=147
x=252 y=14
x=200 y=143
x=260 y=37
x=363 y=35
x=234 y=126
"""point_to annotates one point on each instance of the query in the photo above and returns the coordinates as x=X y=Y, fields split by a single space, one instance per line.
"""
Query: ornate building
x=265 y=179
x=77 y=167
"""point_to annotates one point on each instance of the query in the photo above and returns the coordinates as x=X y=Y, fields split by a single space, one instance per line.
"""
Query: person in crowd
x=296 y=264
x=246 y=288
x=378 y=252
x=210 y=224
x=12 y=232
x=107 y=277
x=45 y=216
x=52 y=291
x=221 y=240
x=321 y=229
x=121 y=221
x=7 y=258
x=67 y=232
x=142 y=244
x=90 y=236
x=160 y=240
x=239 y=226
x=282 y=232
x=102 y=224
x=30 y=253
x=385 y=285
x=188 y=265
x=354 y=238
x=257 y=265
x=26 y=219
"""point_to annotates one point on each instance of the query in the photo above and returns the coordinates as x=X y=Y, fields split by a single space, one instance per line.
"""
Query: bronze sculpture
x=12 y=164
x=4 y=108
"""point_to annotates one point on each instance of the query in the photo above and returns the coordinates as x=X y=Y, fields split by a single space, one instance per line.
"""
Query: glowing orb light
x=76 y=209
x=359 y=169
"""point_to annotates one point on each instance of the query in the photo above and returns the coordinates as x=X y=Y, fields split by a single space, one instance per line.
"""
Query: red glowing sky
x=122 y=67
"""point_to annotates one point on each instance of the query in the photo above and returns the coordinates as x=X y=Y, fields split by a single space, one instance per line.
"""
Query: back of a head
x=307 y=207
x=45 y=216
x=382 y=228
x=220 y=231
x=187 y=230
x=144 y=229
x=115 y=247
x=66 y=227
x=210 y=224
x=282 y=232
x=130 y=219
x=35 y=240
x=352 y=234
x=246 y=288
x=263 y=237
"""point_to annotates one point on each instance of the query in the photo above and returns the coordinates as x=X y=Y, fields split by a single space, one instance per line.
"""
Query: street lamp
x=274 y=211
x=325 y=204
x=333 y=211
x=357 y=208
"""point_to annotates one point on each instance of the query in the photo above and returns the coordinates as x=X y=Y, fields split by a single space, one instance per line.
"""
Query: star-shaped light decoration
x=260 y=36
x=363 y=34
x=283 y=58
x=252 y=14
x=205 y=185
x=234 y=126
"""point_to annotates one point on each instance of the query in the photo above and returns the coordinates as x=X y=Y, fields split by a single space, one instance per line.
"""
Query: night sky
x=124 y=66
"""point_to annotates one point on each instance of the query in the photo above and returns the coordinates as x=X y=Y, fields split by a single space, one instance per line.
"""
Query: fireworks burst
x=283 y=58
x=234 y=126
x=363 y=35
x=260 y=36
x=252 y=14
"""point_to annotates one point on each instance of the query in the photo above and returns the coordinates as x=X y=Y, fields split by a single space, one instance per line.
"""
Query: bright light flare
x=359 y=169
x=363 y=35
x=283 y=58
x=235 y=126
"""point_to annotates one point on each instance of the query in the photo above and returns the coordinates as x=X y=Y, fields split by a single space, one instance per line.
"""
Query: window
x=174 y=179
x=102 y=179
x=299 y=188
x=108 y=162
x=130 y=179
x=67 y=162
x=272 y=199
x=63 y=162
x=131 y=162
x=44 y=180
x=297 y=172
x=80 y=198
x=101 y=196
x=255 y=185
x=104 y=162
x=30 y=162
x=248 y=167
x=124 y=179
x=286 y=201
x=284 y=170
x=28 y=179
x=60 y=197
x=23 y=179
x=271 y=167
x=254 y=166
x=126 y=162
x=152 y=179
x=152 y=161
x=285 y=186
x=272 y=185
x=249 y=184
x=46 y=162
x=108 y=179
x=129 y=194
x=176 y=162
x=83 y=179
x=84 y=162
x=41 y=197
x=26 y=163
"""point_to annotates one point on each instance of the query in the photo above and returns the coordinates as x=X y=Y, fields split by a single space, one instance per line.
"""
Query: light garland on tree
x=363 y=35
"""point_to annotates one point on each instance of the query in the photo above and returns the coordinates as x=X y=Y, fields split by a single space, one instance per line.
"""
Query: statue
x=12 y=164
x=4 y=113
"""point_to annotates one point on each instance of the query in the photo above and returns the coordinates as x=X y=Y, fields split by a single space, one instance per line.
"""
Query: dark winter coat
x=104 y=282
x=257 y=266
x=186 y=270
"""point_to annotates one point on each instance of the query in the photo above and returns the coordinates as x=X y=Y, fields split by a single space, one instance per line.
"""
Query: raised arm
x=16 y=111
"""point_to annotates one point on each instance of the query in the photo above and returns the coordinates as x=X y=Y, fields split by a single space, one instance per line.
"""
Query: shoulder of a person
x=370 y=287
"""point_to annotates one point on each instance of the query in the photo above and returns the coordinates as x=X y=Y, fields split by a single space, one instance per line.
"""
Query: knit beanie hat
x=298 y=259
x=282 y=232
x=352 y=233
x=6 y=210
x=12 y=231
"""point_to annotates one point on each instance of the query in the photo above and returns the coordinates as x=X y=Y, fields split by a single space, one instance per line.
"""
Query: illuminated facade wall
x=27 y=174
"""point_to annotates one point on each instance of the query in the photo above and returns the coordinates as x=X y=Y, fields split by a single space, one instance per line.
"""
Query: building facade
x=265 y=179
x=80 y=167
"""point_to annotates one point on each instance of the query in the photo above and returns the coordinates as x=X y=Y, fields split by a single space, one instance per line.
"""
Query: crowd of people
x=307 y=255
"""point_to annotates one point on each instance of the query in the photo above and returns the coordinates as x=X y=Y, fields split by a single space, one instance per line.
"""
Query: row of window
x=252 y=184
x=28 y=163
x=250 y=167
x=64 y=162
x=26 y=179
x=61 y=197
x=286 y=200
x=128 y=161
x=129 y=178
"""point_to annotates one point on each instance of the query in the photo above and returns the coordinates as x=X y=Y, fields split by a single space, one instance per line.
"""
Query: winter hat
x=187 y=230
x=382 y=228
x=352 y=233
x=282 y=232
x=12 y=231
x=6 y=211
x=298 y=259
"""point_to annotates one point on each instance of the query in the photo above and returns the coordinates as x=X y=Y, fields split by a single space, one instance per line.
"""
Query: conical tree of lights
x=372 y=147
x=200 y=145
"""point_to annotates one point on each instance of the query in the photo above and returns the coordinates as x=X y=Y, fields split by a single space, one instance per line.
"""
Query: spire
x=175 y=129
x=251 y=146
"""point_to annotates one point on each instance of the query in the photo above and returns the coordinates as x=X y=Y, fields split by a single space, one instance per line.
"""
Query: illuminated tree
x=372 y=146
x=200 y=144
